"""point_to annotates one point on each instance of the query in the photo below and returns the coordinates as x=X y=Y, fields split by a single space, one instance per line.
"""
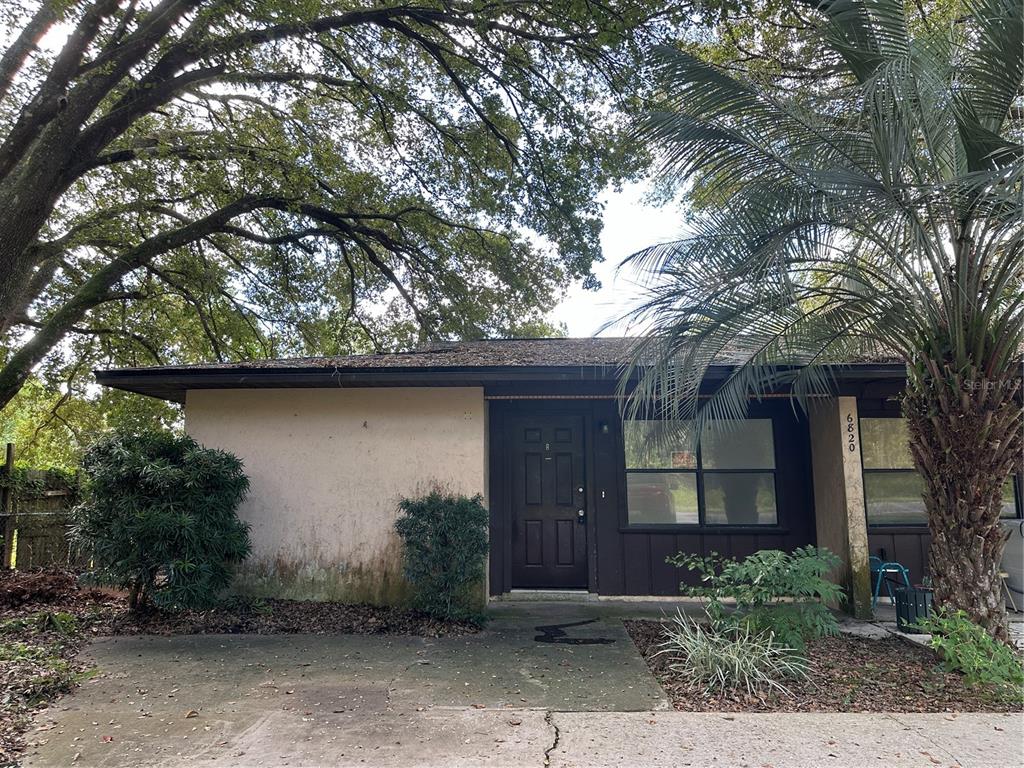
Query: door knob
x=581 y=515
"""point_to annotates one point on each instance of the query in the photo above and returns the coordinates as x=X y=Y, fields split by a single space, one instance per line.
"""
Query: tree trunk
x=135 y=598
x=965 y=435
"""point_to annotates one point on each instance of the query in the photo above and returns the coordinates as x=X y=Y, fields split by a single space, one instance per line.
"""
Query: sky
x=629 y=226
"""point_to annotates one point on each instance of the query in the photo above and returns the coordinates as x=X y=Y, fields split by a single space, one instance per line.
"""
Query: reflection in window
x=662 y=498
x=894 y=498
x=893 y=489
x=739 y=498
x=728 y=479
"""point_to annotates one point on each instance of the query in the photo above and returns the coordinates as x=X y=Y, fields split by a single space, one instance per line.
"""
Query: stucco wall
x=839 y=495
x=327 y=468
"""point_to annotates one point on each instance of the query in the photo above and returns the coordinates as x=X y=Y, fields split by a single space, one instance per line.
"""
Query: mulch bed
x=286 y=617
x=847 y=674
x=46 y=618
x=104 y=612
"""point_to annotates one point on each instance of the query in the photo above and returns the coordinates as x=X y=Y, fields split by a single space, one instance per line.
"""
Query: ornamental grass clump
x=727 y=658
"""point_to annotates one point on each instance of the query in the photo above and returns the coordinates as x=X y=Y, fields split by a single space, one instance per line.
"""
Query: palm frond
x=885 y=221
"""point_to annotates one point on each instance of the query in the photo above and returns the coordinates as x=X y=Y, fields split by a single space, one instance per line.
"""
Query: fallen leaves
x=847 y=674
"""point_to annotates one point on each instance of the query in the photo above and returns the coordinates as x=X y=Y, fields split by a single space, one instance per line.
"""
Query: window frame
x=702 y=526
x=1015 y=480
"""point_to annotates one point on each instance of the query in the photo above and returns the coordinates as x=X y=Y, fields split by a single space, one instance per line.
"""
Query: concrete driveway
x=552 y=684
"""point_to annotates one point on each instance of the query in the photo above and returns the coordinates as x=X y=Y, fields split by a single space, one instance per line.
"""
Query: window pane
x=885 y=444
x=1009 y=501
x=662 y=497
x=894 y=498
x=745 y=444
x=739 y=498
x=659 y=444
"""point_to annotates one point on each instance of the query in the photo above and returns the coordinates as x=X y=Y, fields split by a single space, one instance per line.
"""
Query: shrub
x=724 y=658
x=445 y=538
x=968 y=648
x=775 y=591
x=159 y=518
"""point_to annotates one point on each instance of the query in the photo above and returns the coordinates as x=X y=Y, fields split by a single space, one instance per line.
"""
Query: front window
x=728 y=480
x=893 y=489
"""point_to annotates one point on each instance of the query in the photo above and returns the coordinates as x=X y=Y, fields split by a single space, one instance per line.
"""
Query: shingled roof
x=494 y=360
x=459 y=354
x=556 y=352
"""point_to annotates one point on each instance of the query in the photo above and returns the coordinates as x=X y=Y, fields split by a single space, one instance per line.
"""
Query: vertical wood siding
x=632 y=562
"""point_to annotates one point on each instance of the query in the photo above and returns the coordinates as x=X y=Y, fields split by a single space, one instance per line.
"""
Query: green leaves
x=776 y=593
x=726 y=659
x=458 y=149
x=445 y=549
x=876 y=220
x=159 y=518
x=968 y=648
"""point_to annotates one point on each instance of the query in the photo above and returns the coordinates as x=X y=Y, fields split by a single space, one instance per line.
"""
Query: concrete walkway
x=551 y=684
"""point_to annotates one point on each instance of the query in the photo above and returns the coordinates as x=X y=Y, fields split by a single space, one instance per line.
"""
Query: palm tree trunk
x=965 y=435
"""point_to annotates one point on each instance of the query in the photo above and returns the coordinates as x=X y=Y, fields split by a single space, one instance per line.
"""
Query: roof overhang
x=171 y=383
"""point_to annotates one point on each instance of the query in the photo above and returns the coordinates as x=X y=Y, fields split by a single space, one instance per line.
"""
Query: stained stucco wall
x=327 y=468
x=839 y=495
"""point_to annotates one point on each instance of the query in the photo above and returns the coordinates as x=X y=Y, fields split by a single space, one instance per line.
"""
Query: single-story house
x=534 y=425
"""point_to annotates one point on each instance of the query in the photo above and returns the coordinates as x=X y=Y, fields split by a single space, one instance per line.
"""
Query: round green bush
x=159 y=518
x=445 y=538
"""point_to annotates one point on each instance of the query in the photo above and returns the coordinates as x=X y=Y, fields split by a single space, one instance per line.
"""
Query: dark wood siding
x=624 y=561
x=632 y=562
x=907 y=545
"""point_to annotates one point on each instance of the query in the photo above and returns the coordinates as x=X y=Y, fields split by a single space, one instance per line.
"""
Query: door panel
x=549 y=538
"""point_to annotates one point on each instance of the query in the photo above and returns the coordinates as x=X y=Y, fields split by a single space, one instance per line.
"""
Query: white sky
x=629 y=226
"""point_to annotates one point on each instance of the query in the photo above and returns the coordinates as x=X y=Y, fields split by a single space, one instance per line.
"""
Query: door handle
x=581 y=516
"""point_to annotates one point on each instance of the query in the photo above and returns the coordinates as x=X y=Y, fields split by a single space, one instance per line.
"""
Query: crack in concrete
x=549 y=718
x=390 y=690
x=923 y=733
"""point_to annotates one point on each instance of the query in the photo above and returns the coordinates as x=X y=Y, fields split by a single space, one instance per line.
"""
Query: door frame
x=500 y=465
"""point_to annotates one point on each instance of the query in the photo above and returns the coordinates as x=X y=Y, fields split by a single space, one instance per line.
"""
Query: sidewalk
x=812 y=740
x=543 y=685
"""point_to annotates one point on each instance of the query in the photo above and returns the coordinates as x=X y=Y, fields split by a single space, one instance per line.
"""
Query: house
x=534 y=425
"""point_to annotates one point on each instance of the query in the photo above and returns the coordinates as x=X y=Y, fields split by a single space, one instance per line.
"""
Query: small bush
x=445 y=538
x=968 y=648
x=726 y=658
x=775 y=591
x=159 y=518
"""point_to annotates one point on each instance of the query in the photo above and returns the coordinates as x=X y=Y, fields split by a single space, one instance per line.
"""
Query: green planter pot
x=912 y=605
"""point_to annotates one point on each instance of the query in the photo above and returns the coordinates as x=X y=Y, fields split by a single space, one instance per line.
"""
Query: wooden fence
x=36 y=514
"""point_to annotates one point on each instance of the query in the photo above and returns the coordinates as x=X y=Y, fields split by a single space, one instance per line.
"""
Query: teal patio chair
x=881 y=570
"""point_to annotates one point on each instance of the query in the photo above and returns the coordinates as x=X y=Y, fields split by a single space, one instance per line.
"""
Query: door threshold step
x=545 y=595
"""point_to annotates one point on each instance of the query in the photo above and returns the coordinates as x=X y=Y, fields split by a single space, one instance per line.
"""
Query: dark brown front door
x=549 y=533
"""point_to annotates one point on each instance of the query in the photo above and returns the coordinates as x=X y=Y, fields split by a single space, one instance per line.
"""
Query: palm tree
x=880 y=214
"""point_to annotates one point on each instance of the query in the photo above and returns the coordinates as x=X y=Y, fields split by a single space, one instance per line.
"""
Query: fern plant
x=784 y=593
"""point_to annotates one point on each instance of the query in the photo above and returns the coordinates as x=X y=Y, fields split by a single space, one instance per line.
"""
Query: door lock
x=581 y=516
